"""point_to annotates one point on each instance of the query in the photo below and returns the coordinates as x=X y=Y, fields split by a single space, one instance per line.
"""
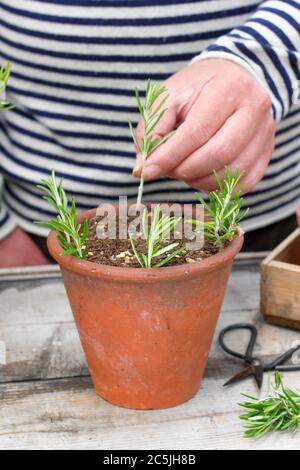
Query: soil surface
x=119 y=252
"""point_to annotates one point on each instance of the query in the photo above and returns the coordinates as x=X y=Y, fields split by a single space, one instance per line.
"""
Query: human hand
x=223 y=118
x=17 y=249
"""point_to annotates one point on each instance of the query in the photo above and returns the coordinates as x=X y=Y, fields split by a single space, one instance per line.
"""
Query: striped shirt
x=74 y=66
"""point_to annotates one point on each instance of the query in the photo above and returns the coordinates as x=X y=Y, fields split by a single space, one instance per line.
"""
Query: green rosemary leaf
x=85 y=232
x=132 y=242
x=69 y=251
x=137 y=145
x=140 y=107
x=223 y=209
x=165 y=249
x=6 y=106
x=277 y=412
x=162 y=140
x=166 y=260
x=4 y=76
x=63 y=242
x=152 y=123
x=145 y=261
x=145 y=224
x=155 y=237
x=159 y=106
x=66 y=217
x=43 y=224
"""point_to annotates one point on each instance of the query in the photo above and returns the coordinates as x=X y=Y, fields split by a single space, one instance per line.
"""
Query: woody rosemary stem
x=151 y=113
x=141 y=186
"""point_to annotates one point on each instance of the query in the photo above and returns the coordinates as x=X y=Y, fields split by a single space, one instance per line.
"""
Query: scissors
x=253 y=365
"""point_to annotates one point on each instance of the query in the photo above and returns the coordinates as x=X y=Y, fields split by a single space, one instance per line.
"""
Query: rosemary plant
x=160 y=228
x=223 y=209
x=73 y=235
x=277 y=412
x=151 y=116
x=4 y=75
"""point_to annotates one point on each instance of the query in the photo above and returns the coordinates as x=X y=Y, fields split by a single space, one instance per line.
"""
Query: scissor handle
x=248 y=356
x=277 y=363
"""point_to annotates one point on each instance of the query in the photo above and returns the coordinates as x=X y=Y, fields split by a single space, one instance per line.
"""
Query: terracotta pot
x=298 y=215
x=146 y=333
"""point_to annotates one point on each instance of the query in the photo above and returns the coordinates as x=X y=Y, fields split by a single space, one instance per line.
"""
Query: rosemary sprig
x=4 y=75
x=74 y=234
x=277 y=412
x=151 y=117
x=223 y=209
x=160 y=228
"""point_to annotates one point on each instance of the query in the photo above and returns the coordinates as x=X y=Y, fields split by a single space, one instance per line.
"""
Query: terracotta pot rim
x=167 y=273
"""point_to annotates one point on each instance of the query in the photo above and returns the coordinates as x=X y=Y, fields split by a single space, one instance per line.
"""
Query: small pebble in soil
x=117 y=252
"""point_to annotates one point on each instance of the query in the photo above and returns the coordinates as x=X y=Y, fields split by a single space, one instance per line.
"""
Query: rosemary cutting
x=223 y=209
x=73 y=235
x=4 y=75
x=160 y=228
x=151 y=117
x=277 y=412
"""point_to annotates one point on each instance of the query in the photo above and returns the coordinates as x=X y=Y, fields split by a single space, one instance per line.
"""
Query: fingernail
x=136 y=171
x=152 y=171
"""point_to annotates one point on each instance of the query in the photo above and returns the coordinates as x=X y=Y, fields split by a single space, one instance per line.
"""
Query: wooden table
x=47 y=400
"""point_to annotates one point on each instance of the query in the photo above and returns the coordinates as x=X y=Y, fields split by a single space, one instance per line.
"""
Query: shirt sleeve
x=7 y=221
x=268 y=45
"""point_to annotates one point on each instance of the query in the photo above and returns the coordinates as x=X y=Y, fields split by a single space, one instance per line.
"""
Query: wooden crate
x=280 y=283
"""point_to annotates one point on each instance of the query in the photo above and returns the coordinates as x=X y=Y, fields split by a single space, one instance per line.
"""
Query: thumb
x=165 y=125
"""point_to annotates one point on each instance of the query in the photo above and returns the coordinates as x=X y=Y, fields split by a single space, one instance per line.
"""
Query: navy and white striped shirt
x=74 y=66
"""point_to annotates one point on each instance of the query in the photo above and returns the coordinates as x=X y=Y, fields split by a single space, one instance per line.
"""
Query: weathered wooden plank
x=45 y=351
x=41 y=341
x=30 y=272
x=66 y=414
x=53 y=271
x=38 y=332
x=54 y=350
x=22 y=300
x=37 y=327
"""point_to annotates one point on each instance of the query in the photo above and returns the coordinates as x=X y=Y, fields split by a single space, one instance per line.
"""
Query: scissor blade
x=258 y=372
x=243 y=374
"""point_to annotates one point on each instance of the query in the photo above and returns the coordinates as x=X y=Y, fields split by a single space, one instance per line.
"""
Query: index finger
x=205 y=118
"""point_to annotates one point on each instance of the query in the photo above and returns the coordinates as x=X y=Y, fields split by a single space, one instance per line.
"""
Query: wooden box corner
x=280 y=283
